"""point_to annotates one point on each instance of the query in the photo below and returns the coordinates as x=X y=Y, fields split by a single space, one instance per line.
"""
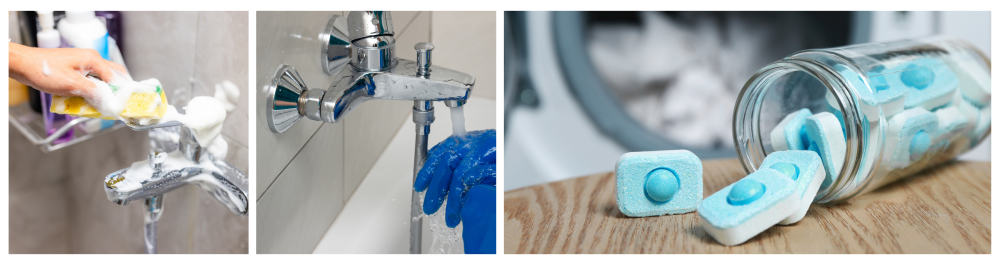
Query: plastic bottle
x=48 y=37
x=82 y=29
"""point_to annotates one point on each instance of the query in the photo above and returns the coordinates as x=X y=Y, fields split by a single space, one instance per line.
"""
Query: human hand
x=61 y=71
x=457 y=164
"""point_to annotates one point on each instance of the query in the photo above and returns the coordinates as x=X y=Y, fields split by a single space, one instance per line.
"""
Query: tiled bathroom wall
x=306 y=174
x=58 y=204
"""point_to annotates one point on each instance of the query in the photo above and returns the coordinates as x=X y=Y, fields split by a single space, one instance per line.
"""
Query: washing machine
x=583 y=88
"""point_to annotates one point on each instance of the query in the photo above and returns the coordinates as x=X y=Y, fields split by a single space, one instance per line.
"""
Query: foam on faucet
x=204 y=115
x=141 y=172
x=227 y=93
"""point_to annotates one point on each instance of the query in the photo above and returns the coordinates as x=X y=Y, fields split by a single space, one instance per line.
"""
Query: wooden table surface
x=945 y=209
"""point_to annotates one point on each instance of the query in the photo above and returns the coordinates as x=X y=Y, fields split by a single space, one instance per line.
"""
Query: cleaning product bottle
x=82 y=29
x=47 y=37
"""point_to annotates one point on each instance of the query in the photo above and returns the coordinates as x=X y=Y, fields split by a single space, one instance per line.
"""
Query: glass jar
x=903 y=106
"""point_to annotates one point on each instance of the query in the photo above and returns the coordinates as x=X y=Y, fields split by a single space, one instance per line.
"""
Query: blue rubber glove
x=457 y=164
x=480 y=217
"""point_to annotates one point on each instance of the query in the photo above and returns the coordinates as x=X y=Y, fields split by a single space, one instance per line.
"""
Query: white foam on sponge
x=787 y=135
x=111 y=102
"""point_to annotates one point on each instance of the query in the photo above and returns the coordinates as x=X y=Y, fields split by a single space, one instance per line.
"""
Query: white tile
x=376 y=218
x=400 y=19
x=285 y=38
x=419 y=30
x=39 y=220
x=148 y=55
x=466 y=41
x=222 y=55
x=217 y=230
x=367 y=131
x=24 y=171
x=305 y=199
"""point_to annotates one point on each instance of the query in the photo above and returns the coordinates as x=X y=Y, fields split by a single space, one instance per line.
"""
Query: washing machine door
x=608 y=107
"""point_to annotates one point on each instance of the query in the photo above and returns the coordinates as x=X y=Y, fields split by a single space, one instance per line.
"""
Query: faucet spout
x=142 y=180
x=352 y=88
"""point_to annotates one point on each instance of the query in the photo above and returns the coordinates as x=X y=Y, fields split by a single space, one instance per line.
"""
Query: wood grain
x=945 y=209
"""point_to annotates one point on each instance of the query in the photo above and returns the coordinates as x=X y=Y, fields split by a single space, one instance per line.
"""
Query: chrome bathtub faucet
x=226 y=183
x=360 y=52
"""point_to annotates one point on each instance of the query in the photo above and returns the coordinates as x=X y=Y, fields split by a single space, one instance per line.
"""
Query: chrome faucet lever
x=360 y=53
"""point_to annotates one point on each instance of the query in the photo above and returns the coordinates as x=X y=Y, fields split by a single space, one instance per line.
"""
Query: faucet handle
x=336 y=51
x=284 y=98
x=424 y=58
x=369 y=23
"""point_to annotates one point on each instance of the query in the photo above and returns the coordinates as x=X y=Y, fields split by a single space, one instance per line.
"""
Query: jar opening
x=784 y=88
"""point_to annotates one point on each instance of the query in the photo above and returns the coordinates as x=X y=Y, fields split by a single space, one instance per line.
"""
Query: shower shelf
x=31 y=125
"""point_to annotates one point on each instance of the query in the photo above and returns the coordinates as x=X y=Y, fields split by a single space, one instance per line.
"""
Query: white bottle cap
x=80 y=16
x=45 y=20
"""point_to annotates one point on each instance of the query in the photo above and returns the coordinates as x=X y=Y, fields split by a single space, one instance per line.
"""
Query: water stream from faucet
x=458 y=120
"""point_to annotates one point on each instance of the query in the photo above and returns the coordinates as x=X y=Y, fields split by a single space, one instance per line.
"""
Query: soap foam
x=45 y=68
x=204 y=115
x=111 y=103
x=227 y=93
x=140 y=172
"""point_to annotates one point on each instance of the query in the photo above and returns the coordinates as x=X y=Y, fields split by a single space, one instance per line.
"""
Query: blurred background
x=583 y=88
x=57 y=198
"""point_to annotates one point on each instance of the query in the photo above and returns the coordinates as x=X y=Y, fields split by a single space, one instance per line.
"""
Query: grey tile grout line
x=289 y=163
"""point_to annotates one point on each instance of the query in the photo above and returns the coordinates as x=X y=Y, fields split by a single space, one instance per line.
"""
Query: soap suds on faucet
x=227 y=93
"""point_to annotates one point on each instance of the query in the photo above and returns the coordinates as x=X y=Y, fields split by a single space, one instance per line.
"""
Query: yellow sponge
x=75 y=106
x=139 y=105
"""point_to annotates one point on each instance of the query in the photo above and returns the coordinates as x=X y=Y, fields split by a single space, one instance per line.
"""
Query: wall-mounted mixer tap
x=360 y=52
x=172 y=165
